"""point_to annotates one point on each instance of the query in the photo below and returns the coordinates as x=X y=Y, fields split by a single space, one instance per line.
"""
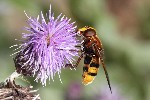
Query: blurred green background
x=122 y=25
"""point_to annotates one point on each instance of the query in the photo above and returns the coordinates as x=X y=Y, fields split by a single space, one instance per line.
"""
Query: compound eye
x=90 y=33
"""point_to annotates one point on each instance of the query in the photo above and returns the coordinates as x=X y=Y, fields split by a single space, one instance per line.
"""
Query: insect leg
x=103 y=65
x=78 y=61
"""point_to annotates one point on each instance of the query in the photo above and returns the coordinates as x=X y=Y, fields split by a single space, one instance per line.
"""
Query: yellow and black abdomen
x=90 y=69
x=85 y=76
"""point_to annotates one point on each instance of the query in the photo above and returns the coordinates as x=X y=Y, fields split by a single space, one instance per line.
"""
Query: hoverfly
x=93 y=52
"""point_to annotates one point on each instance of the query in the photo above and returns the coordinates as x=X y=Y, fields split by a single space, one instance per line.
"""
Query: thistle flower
x=50 y=45
x=74 y=91
x=10 y=91
x=19 y=93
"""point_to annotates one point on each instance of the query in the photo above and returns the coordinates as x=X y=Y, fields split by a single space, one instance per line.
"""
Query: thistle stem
x=9 y=82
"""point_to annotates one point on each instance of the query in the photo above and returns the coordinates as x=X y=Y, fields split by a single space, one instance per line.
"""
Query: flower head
x=9 y=90
x=47 y=48
x=73 y=91
x=18 y=93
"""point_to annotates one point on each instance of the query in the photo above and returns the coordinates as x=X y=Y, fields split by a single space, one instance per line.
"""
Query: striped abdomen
x=90 y=69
